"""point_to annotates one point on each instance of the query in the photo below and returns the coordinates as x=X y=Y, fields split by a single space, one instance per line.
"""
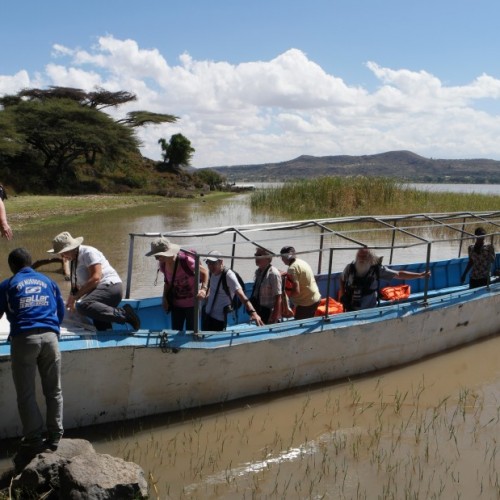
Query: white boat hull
x=107 y=384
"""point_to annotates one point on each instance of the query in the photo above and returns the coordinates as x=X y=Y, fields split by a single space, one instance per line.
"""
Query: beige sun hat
x=162 y=246
x=64 y=242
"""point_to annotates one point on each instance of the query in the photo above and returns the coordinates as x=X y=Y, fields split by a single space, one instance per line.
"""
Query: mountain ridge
x=404 y=165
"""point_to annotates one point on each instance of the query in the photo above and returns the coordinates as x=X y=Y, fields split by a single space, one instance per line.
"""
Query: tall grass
x=339 y=196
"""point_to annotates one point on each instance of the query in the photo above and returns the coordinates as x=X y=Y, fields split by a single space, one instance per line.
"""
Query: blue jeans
x=28 y=353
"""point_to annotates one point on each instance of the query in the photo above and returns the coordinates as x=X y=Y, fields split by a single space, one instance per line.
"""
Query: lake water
x=428 y=430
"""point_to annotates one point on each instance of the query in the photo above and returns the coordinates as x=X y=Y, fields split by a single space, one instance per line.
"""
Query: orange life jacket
x=287 y=284
x=334 y=307
x=397 y=292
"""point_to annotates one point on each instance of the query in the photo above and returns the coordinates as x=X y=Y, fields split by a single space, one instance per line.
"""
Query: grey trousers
x=29 y=353
x=101 y=306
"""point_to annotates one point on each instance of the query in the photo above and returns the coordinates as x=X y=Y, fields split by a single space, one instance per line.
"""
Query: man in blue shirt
x=35 y=309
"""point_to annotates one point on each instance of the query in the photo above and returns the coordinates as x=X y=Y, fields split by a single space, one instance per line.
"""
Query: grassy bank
x=25 y=210
x=339 y=196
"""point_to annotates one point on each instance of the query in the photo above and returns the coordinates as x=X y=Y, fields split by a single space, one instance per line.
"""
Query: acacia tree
x=63 y=125
x=62 y=131
x=10 y=139
x=177 y=152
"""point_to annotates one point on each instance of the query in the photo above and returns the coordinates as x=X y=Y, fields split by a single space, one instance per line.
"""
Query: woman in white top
x=96 y=288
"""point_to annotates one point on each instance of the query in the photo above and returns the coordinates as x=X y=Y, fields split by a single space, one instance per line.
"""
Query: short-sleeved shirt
x=183 y=282
x=31 y=300
x=89 y=256
x=481 y=261
x=267 y=285
x=370 y=299
x=301 y=272
x=218 y=298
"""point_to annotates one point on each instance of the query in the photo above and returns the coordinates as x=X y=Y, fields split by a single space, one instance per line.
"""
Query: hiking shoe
x=131 y=317
x=31 y=444
x=52 y=441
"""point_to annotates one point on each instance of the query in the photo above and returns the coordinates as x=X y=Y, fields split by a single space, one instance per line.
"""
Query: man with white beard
x=360 y=280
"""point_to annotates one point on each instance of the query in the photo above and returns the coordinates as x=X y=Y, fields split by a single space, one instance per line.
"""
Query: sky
x=270 y=80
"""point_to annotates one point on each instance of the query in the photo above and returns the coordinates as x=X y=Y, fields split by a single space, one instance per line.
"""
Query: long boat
x=117 y=375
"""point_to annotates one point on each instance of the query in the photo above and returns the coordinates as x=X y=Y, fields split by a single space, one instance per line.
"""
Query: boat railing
x=334 y=237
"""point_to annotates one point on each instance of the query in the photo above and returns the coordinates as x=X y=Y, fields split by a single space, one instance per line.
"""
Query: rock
x=76 y=471
x=95 y=476
x=68 y=448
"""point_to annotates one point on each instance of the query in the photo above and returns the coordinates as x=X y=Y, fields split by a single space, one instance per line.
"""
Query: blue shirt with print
x=31 y=300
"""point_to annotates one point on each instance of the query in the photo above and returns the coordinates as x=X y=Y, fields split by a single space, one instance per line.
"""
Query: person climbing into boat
x=178 y=269
x=266 y=293
x=481 y=257
x=219 y=301
x=304 y=291
x=360 y=280
x=96 y=288
x=35 y=309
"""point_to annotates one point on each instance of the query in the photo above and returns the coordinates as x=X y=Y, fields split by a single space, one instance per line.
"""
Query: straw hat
x=64 y=242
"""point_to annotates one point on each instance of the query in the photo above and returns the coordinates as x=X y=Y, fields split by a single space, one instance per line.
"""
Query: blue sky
x=270 y=80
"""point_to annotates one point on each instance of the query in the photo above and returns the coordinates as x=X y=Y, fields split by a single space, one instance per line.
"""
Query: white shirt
x=218 y=298
x=88 y=256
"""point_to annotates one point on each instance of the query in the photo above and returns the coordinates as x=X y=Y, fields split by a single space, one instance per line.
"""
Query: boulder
x=76 y=471
x=102 y=477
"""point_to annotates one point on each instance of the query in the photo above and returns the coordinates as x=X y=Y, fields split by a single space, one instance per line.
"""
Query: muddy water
x=428 y=430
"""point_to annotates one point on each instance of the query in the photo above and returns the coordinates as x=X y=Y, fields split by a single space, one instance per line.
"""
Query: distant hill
x=404 y=165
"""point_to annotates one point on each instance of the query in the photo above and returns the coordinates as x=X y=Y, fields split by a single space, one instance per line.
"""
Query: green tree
x=11 y=142
x=210 y=177
x=62 y=131
x=177 y=153
x=63 y=127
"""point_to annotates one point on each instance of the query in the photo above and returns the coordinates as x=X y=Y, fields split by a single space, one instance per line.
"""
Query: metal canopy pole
x=129 y=266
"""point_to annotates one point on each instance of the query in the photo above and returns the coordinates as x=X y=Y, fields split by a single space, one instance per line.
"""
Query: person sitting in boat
x=304 y=291
x=96 y=288
x=481 y=256
x=360 y=280
x=222 y=287
x=266 y=293
x=178 y=268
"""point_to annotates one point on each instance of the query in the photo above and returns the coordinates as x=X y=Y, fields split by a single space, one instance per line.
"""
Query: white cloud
x=13 y=84
x=275 y=110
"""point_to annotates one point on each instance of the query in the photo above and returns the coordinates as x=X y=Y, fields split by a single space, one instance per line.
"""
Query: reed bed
x=342 y=196
x=362 y=442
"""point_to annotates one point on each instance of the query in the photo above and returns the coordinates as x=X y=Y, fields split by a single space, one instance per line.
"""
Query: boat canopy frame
x=409 y=225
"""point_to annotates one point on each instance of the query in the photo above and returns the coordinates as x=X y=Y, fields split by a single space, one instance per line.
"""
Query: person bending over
x=96 y=288
x=178 y=268
x=35 y=309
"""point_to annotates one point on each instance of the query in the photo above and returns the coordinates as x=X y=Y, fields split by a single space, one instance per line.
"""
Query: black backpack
x=235 y=302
